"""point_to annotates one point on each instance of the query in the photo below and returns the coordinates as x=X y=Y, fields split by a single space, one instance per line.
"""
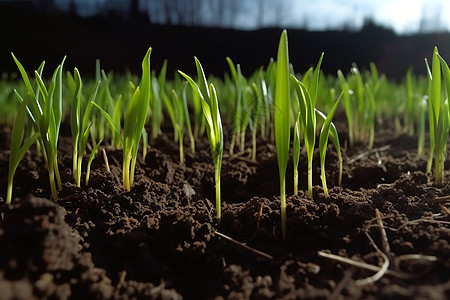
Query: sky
x=404 y=16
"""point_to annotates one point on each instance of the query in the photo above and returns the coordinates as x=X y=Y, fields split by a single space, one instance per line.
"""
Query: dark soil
x=161 y=239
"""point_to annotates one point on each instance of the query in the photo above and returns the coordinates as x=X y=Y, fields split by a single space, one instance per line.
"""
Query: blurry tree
x=261 y=12
x=48 y=6
x=431 y=19
x=193 y=12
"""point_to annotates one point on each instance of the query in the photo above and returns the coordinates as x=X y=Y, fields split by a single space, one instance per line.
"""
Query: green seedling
x=410 y=102
x=256 y=116
x=187 y=119
x=348 y=107
x=134 y=121
x=296 y=151
x=18 y=149
x=238 y=106
x=327 y=129
x=158 y=90
x=175 y=109
x=441 y=116
x=45 y=112
x=282 y=120
x=91 y=158
x=307 y=102
x=80 y=126
x=210 y=108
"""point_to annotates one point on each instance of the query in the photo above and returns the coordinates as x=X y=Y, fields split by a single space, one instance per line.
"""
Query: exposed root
x=382 y=270
x=367 y=153
x=386 y=255
x=243 y=245
x=342 y=284
x=422 y=259
x=363 y=265
x=258 y=220
x=384 y=239
x=105 y=158
x=123 y=274
x=438 y=199
x=445 y=209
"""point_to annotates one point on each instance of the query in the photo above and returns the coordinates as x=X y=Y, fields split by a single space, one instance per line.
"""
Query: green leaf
x=282 y=120
x=75 y=107
x=325 y=131
x=202 y=83
x=281 y=114
x=435 y=96
x=110 y=121
x=314 y=85
x=91 y=158
x=446 y=73
x=214 y=125
x=17 y=150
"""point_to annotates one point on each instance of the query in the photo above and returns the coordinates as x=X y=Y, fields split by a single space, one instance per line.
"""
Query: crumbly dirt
x=161 y=240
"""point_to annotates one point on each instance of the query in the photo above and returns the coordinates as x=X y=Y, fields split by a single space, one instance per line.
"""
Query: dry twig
x=105 y=158
x=384 y=239
x=367 y=153
x=122 y=276
x=258 y=220
x=243 y=245
x=445 y=209
x=341 y=285
x=363 y=265
x=439 y=199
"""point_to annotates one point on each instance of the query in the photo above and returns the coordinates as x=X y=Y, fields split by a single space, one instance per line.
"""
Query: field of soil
x=383 y=235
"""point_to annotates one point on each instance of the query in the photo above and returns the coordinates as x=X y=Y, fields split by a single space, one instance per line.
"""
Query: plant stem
x=180 y=142
x=438 y=168
x=430 y=159
x=283 y=207
x=51 y=177
x=192 y=142
x=295 y=182
x=350 y=133
x=324 y=182
x=218 y=202
x=371 y=136
x=243 y=142
x=9 y=190
x=74 y=166
x=126 y=173
x=254 y=144
x=421 y=138
x=132 y=170
x=80 y=160
x=58 y=177
x=310 y=183
x=233 y=141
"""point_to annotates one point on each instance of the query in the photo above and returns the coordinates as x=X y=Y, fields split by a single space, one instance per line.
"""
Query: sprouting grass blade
x=282 y=120
x=323 y=142
x=188 y=120
x=296 y=151
x=91 y=158
x=17 y=150
x=210 y=108
x=110 y=121
x=431 y=120
x=314 y=85
x=347 y=105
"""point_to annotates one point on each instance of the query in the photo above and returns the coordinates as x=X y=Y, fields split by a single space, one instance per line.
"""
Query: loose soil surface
x=161 y=239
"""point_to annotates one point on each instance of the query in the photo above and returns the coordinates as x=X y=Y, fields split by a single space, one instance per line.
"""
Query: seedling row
x=273 y=103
